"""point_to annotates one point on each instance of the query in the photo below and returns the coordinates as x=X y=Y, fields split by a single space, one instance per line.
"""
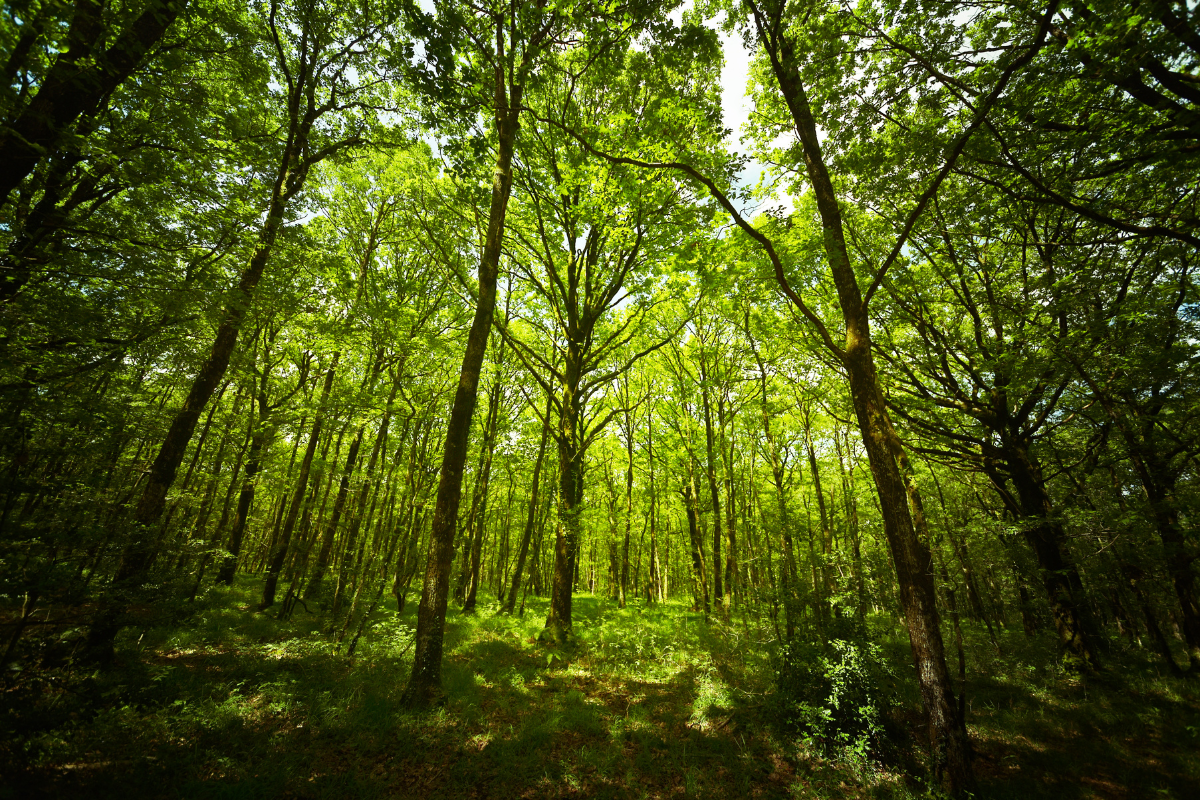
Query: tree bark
x=78 y=83
x=531 y=517
x=424 y=685
x=280 y=550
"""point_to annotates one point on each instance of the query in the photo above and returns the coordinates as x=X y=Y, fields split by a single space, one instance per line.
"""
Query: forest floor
x=652 y=703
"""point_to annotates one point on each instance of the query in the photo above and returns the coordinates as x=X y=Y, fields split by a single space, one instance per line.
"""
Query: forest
x=496 y=398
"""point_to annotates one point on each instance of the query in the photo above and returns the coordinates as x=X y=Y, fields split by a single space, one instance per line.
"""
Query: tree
x=594 y=240
x=316 y=67
x=502 y=65
x=84 y=73
x=999 y=368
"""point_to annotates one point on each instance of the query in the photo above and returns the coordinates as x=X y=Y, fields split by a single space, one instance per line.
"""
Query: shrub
x=837 y=698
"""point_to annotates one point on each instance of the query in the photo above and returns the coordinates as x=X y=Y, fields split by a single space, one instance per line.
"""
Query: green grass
x=648 y=703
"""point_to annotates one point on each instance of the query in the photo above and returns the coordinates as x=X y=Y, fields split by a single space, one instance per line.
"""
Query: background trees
x=248 y=290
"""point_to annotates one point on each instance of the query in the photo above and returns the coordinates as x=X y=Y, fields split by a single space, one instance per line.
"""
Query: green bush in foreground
x=837 y=698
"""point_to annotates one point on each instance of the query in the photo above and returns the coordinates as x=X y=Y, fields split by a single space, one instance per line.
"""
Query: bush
x=838 y=698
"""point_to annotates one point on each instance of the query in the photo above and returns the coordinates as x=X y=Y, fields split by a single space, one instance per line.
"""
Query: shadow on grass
x=1102 y=738
x=650 y=703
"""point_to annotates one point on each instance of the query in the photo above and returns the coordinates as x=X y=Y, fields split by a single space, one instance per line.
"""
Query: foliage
x=838 y=698
x=307 y=183
x=232 y=703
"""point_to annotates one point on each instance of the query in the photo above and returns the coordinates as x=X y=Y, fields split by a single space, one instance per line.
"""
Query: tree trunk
x=219 y=531
x=657 y=583
x=628 y=510
x=477 y=522
x=280 y=550
x=359 y=505
x=826 y=589
x=570 y=497
x=903 y=527
x=406 y=562
x=80 y=79
x=424 y=685
x=262 y=435
x=690 y=501
x=725 y=442
x=1158 y=482
x=1060 y=578
x=339 y=505
x=714 y=491
x=531 y=517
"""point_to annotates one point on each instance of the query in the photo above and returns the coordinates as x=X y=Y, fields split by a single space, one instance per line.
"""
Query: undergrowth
x=647 y=702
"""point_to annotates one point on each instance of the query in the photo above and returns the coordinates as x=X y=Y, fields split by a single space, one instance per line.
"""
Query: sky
x=735 y=108
x=734 y=103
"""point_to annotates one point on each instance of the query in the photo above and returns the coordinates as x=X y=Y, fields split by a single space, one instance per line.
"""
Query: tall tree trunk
x=725 y=443
x=477 y=523
x=903 y=524
x=424 y=685
x=628 y=516
x=714 y=491
x=657 y=582
x=690 y=501
x=826 y=588
x=914 y=568
x=570 y=498
x=846 y=466
x=280 y=551
x=531 y=517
